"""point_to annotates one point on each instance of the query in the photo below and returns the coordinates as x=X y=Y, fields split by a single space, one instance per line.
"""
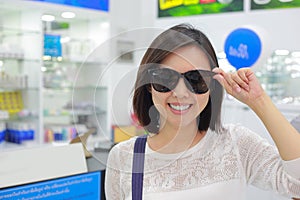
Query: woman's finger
x=225 y=80
x=240 y=78
x=243 y=74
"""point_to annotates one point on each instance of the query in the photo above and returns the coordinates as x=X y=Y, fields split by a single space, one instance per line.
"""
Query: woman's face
x=180 y=107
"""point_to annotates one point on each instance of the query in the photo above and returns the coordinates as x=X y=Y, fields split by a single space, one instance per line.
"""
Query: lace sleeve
x=263 y=165
x=112 y=176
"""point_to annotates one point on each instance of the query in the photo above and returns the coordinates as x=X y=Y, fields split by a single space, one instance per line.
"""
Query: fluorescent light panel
x=68 y=15
x=48 y=18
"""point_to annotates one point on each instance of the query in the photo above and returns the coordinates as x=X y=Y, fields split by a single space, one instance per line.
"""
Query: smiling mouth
x=182 y=107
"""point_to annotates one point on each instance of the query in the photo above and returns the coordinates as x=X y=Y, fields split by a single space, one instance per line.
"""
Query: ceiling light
x=68 y=15
x=48 y=18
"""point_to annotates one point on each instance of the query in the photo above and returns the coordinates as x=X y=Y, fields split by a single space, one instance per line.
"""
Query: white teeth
x=180 y=107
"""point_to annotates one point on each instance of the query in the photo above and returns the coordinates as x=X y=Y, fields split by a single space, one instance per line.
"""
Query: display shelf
x=18 y=59
x=76 y=100
x=73 y=50
x=52 y=61
x=21 y=118
x=13 y=43
x=11 y=31
x=20 y=73
x=49 y=83
x=64 y=113
x=19 y=89
x=71 y=89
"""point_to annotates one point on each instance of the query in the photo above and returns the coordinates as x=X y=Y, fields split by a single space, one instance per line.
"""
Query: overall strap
x=138 y=167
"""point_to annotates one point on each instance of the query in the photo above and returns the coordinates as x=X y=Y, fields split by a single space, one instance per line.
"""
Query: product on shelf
x=63 y=133
x=18 y=132
x=11 y=101
x=3 y=114
x=10 y=82
x=2 y=131
x=11 y=51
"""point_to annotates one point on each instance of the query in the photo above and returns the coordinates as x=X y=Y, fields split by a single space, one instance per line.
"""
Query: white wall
x=278 y=29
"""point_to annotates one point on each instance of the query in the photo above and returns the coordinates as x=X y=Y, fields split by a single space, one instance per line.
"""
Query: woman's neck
x=172 y=139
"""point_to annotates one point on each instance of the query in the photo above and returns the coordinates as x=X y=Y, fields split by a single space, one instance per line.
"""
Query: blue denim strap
x=138 y=167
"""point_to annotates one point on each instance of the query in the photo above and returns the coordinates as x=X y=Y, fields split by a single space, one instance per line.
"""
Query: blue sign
x=91 y=4
x=242 y=48
x=52 y=45
x=83 y=187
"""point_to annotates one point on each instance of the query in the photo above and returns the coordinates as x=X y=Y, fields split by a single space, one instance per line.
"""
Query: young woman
x=189 y=154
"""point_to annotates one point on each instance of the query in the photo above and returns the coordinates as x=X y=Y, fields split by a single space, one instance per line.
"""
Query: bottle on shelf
x=19 y=132
x=2 y=131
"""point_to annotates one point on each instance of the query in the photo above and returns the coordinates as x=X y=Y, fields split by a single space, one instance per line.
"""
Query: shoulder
x=240 y=131
x=120 y=155
x=124 y=147
x=243 y=136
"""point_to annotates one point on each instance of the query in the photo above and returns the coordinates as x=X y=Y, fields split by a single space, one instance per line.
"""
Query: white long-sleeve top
x=219 y=167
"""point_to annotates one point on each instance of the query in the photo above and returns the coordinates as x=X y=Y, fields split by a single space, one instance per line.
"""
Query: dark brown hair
x=164 y=44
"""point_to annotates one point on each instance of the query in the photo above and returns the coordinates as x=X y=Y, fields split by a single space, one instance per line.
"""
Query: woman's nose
x=180 y=90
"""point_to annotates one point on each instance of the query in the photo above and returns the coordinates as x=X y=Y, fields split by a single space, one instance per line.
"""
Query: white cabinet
x=51 y=93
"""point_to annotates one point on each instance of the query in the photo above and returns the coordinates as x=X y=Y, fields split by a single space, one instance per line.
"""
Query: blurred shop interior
x=67 y=71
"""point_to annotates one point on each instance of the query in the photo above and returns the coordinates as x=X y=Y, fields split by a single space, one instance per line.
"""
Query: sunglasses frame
x=189 y=85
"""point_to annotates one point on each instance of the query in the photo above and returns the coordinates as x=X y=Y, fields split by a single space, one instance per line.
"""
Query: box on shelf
x=11 y=101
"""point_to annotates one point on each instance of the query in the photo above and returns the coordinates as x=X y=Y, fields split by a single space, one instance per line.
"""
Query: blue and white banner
x=82 y=186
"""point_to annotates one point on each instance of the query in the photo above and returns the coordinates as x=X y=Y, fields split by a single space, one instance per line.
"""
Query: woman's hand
x=242 y=84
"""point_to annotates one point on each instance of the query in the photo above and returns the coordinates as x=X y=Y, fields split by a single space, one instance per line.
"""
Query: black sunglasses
x=165 y=79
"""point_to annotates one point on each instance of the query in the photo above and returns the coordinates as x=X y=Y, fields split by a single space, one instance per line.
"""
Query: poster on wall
x=102 y=5
x=273 y=4
x=176 y=8
x=52 y=45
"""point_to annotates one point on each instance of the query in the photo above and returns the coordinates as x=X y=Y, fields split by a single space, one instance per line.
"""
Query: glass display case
x=71 y=80
x=78 y=101
x=280 y=76
x=41 y=93
x=20 y=82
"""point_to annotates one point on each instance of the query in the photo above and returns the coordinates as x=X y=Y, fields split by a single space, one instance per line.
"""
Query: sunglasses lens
x=197 y=82
x=160 y=88
x=164 y=80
